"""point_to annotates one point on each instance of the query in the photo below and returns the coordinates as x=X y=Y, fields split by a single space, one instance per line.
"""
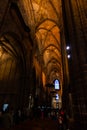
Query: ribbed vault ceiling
x=44 y=18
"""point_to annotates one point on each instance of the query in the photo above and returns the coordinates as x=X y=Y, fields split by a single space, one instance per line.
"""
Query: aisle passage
x=37 y=124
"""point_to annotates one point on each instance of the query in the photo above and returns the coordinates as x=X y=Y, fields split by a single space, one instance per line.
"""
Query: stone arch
x=12 y=69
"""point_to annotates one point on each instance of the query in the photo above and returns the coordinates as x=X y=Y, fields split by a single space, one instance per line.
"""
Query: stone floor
x=37 y=124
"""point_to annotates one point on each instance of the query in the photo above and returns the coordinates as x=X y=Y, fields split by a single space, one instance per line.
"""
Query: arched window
x=56 y=84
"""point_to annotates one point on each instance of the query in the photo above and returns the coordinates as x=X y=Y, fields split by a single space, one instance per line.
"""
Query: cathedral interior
x=43 y=43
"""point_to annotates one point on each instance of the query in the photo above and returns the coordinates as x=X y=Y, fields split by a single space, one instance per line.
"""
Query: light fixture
x=68 y=56
x=68 y=47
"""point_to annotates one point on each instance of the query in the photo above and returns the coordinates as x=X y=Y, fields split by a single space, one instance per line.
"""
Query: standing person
x=60 y=122
x=6 y=119
x=64 y=119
